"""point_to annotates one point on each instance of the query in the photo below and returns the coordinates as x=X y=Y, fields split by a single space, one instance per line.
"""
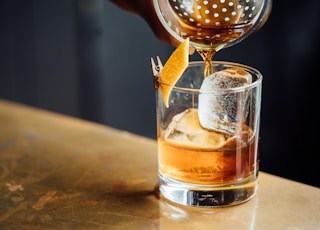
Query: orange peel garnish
x=173 y=69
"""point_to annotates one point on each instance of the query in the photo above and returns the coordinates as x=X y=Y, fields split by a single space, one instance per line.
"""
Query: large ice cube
x=222 y=110
x=185 y=129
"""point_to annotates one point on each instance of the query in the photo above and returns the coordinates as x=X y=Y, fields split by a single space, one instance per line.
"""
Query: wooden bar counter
x=59 y=172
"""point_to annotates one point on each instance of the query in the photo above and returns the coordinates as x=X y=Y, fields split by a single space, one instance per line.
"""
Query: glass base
x=207 y=196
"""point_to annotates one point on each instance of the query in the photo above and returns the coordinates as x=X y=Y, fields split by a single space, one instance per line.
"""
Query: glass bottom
x=207 y=196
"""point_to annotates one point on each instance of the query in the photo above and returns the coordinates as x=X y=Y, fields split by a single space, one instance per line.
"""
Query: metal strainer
x=212 y=23
x=216 y=13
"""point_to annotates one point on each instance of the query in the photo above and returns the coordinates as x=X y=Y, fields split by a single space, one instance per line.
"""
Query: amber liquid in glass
x=208 y=157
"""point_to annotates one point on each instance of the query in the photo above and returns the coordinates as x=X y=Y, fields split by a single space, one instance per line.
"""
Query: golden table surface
x=60 y=172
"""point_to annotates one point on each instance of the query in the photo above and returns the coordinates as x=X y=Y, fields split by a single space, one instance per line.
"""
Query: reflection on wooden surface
x=54 y=172
x=58 y=172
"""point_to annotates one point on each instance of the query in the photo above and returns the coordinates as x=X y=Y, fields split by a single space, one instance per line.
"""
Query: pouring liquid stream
x=207 y=56
x=220 y=37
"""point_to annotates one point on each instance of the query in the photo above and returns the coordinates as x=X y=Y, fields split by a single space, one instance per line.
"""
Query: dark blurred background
x=89 y=59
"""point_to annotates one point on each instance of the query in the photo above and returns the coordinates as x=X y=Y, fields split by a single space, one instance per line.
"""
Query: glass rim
x=249 y=69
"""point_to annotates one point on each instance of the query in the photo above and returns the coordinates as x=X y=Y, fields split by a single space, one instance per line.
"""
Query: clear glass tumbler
x=208 y=152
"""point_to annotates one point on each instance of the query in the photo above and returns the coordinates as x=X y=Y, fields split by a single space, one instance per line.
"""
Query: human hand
x=145 y=9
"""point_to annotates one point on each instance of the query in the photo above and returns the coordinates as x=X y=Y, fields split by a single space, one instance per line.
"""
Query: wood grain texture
x=59 y=172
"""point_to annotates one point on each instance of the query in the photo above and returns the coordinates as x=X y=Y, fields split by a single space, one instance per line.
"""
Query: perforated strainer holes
x=216 y=12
